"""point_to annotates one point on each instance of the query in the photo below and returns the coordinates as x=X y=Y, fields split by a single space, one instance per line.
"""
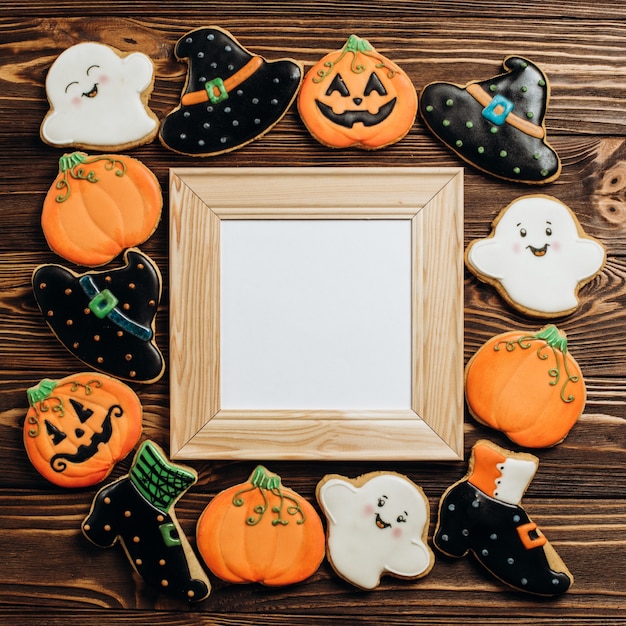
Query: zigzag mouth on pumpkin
x=539 y=251
x=349 y=118
x=85 y=452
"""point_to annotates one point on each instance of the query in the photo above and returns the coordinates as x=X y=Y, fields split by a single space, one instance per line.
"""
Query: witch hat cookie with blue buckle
x=231 y=96
x=482 y=514
x=496 y=125
x=106 y=318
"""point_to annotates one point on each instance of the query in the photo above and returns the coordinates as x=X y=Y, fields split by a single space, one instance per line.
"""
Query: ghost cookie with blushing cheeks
x=377 y=525
x=537 y=256
x=98 y=99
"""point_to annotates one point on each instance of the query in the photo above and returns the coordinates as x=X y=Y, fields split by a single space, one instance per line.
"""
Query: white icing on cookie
x=539 y=255
x=376 y=528
x=95 y=98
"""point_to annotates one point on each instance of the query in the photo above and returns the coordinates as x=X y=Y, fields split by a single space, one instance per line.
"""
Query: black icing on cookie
x=231 y=96
x=106 y=319
x=137 y=511
x=497 y=125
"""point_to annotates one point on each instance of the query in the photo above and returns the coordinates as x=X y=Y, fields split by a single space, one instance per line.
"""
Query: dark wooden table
x=50 y=574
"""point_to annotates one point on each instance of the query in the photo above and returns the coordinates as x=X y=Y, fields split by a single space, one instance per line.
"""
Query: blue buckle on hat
x=498 y=110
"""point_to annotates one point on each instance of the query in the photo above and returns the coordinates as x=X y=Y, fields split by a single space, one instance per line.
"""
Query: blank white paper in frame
x=316 y=313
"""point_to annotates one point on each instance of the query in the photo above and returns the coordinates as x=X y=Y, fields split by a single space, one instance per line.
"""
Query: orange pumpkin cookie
x=260 y=531
x=357 y=97
x=99 y=206
x=526 y=385
x=79 y=427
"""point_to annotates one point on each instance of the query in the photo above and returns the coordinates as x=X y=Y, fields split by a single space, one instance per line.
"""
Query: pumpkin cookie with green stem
x=357 y=97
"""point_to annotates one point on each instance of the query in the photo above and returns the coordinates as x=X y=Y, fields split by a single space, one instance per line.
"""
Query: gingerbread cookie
x=261 y=532
x=137 y=511
x=526 y=385
x=99 y=206
x=231 y=96
x=99 y=99
x=377 y=525
x=357 y=97
x=79 y=427
x=537 y=256
x=482 y=514
x=496 y=125
x=106 y=318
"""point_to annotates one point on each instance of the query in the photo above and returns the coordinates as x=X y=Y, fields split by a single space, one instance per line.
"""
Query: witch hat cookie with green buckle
x=482 y=514
x=106 y=318
x=496 y=125
x=231 y=96
x=137 y=510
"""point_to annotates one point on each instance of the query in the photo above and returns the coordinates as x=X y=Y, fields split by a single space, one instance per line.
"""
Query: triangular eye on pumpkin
x=357 y=97
x=79 y=427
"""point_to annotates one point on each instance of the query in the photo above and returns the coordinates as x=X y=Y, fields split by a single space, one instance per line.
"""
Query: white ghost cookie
x=98 y=99
x=537 y=256
x=377 y=524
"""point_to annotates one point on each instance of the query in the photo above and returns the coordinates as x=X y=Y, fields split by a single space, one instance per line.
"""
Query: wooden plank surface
x=51 y=575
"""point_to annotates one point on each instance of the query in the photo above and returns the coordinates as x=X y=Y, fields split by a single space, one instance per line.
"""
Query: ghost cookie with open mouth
x=377 y=524
x=98 y=99
x=231 y=96
x=537 y=256
x=356 y=97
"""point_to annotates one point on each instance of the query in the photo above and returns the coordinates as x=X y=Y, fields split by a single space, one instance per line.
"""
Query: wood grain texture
x=52 y=575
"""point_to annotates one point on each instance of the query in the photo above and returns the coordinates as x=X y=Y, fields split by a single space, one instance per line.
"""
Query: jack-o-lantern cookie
x=261 y=532
x=496 y=125
x=79 y=427
x=98 y=206
x=357 y=97
x=526 y=385
x=537 y=256
x=231 y=96
x=106 y=318
x=377 y=525
x=98 y=99
x=482 y=514
x=138 y=512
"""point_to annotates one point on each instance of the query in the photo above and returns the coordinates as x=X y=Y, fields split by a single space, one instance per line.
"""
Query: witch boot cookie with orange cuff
x=231 y=96
x=137 y=511
x=496 y=125
x=482 y=514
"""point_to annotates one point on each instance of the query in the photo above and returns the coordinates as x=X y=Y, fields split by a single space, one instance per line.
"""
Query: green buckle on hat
x=103 y=303
x=498 y=110
x=211 y=85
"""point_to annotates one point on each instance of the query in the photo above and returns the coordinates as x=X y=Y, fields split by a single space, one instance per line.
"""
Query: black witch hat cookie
x=231 y=96
x=496 y=125
x=106 y=318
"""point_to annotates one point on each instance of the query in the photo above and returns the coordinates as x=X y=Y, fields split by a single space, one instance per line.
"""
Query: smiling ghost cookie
x=377 y=524
x=231 y=96
x=496 y=125
x=106 y=318
x=357 y=97
x=99 y=99
x=537 y=256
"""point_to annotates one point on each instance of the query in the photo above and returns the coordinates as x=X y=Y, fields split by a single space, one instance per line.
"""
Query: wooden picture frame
x=430 y=199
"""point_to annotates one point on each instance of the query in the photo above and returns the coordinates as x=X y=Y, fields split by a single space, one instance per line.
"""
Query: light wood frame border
x=431 y=198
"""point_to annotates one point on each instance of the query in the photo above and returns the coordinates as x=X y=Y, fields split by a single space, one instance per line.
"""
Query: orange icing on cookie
x=485 y=471
x=260 y=531
x=99 y=206
x=357 y=97
x=77 y=428
x=526 y=385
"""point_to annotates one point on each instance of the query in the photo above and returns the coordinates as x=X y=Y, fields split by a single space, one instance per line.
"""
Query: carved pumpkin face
x=77 y=428
x=357 y=97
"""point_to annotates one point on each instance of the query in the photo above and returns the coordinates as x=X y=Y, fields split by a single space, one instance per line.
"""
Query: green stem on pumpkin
x=557 y=342
x=262 y=481
x=38 y=397
x=41 y=391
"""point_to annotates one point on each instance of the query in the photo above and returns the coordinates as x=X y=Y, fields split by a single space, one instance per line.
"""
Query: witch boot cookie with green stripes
x=137 y=511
